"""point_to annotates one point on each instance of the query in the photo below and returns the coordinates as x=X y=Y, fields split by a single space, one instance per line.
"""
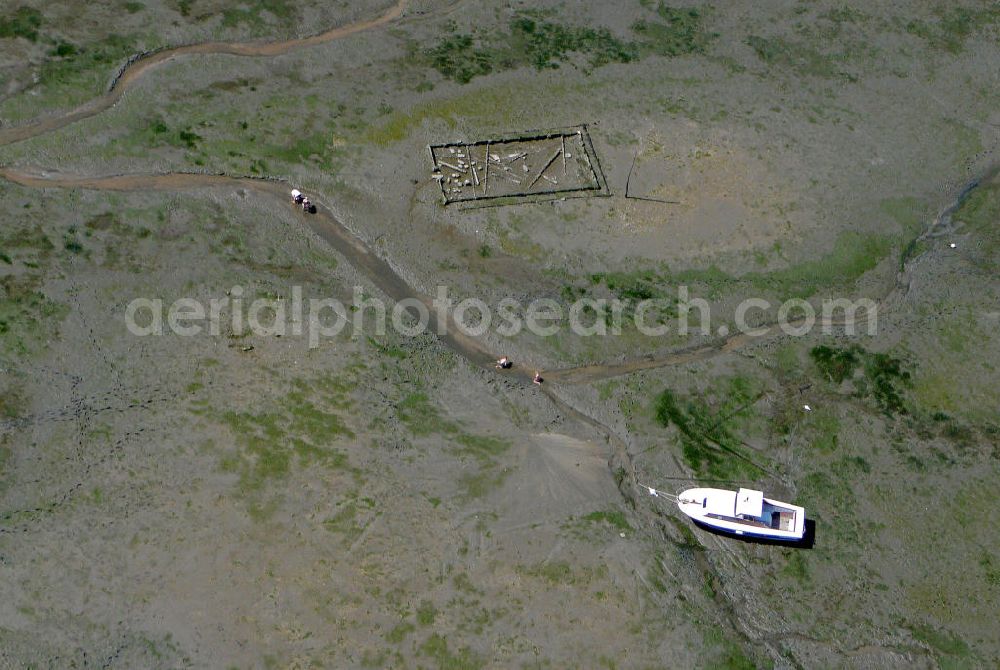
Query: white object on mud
x=745 y=512
x=296 y=193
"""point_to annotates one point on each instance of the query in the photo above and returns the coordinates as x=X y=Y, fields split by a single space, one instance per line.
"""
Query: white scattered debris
x=621 y=534
x=807 y=408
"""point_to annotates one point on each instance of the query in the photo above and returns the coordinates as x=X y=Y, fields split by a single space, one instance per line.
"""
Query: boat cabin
x=751 y=508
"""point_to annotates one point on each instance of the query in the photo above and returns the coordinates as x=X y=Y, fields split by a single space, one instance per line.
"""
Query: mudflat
x=769 y=233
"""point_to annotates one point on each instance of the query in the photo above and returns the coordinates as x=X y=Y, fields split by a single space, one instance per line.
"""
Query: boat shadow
x=808 y=540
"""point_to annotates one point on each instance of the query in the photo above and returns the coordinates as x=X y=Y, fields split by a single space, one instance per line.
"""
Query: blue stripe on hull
x=746 y=533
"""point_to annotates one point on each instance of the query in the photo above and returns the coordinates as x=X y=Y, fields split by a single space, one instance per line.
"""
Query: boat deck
x=732 y=519
x=780 y=520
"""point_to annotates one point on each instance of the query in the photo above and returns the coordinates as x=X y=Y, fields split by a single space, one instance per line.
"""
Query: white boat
x=745 y=512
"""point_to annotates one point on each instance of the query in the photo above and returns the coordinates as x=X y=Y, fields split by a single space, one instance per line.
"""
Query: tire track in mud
x=109 y=362
x=140 y=64
x=91 y=405
x=81 y=410
x=117 y=448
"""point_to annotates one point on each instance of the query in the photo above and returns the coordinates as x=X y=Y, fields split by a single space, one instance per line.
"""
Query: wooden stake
x=542 y=171
x=563 y=138
x=486 y=173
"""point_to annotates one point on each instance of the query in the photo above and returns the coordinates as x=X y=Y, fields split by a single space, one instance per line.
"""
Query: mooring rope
x=669 y=496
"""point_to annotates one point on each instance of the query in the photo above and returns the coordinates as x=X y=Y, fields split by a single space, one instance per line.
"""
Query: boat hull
x=768 y=537
x=715 y=509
